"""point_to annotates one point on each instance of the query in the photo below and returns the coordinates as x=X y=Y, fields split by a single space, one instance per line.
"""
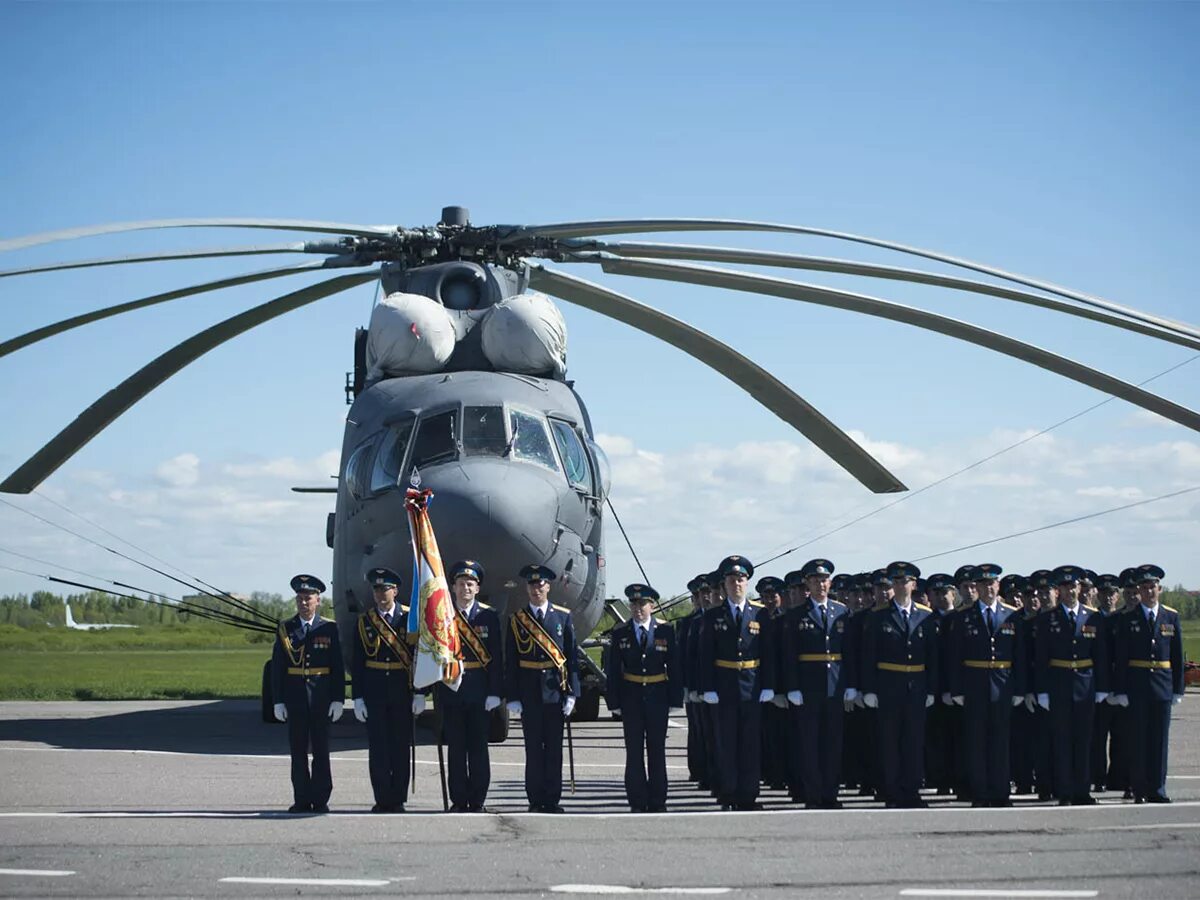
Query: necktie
x=387 y=617
x=304 y=633
x=737 y=617
x=642 y=636
x=991 y=621
x=1150 y=622
x=1071 y=617
x=904 y=615
x=540 y=616
x=824 y=619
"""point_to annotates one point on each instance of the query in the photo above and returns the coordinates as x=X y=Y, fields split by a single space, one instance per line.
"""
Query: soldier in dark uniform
x=987 y=666
x=940 y=737
x=1118 y=770
x=1070 y=678
x=1041 y=735
x=466 y=711
x=735 y=674
x=691 y=705
x=1148 y=678
x=812 y=675
x=855 y=743
x=542 y=683
x=383 y=694
x=775 y=718
x=644 y=683
x=1023 y=729
x=797 y=596
x=967 y=596
x=1108 y=592
x=308 y=683
x=713 y=592
x=900 y=661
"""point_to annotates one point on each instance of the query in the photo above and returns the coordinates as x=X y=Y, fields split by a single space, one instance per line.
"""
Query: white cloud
x=179 y=471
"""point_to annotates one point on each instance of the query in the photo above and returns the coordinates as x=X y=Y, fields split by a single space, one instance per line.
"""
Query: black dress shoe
x=1128 y=795
x=979 y=804
x=660 y=808
x=553 y=809
x=727 y=807
x=943 y=791
x=1002 y=804
x=1098 y=787
x=1158 y=798
x=533 y=807
x=832 y=804
x=636 y=809
x=480 y=808
x=1138 y=801
x=458 y=808
x=381 y=808
x=397 y=808
x=916 y=803
x=754 y=806
x=1064 y=802
x=1084 y=801
x=320 y=808
x=297 y=808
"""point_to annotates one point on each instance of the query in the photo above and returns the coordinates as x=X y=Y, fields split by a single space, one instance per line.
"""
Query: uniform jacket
x=319 y=654
x=1149 y=662
x=380 y=673
x=478 y=681
x=812 y=660
x=735 y=662
x=647 y=677
x=695 y=632
x=1071 y=663
x=899 y=661
x=987 y=666
x=941 y=621
x=536 y=681
x=683 y=638
x=852 y=648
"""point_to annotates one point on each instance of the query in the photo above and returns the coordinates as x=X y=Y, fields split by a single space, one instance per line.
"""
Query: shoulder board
x=923 y=608
x=1006 y=606
x=1088 y=608
x=758 y=605
x=1168 y=609
x=403 y=608
x=482 y=605
x=561 y=609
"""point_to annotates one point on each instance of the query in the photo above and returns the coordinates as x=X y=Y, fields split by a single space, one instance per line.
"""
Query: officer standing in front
x=734 y=669
x=383 y=694
x=465 y=712
x=308 y=683
x=776 y=751
x=541 y=684
x=1070 y=678
x=812 y=677
x=941 y=745
x=900 y=677
x=1148 y=679
x=987 y=659
x=644 y=684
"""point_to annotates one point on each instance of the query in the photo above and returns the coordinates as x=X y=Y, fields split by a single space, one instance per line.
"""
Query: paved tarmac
x=186 y=799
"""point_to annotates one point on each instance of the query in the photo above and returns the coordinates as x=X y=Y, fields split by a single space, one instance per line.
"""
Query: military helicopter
x=460 y=380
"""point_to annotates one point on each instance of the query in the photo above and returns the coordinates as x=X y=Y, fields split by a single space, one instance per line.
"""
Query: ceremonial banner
x=431 y=610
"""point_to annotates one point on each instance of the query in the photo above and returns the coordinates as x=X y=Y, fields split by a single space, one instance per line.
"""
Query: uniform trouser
x=389 y=743
x=645 y=728
x=465 y=726
x=1101 y=734
x=712 y=746
x=870 y=755
x=542 y=724
x=962 y=778
x=738 y=735
x=695 y=743
x=1045 y=775
x=308 y=727
x=817 y=733
x=1023 y=752
x=901 y=746
x=1148 y=731
x=851 y=765
x=939 y=746
x=1118 y=767
x=987 y=729
x=774 y=748
x=1071 y=724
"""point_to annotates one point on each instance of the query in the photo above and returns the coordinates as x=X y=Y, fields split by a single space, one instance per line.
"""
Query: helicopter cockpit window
x=436 y=439
x=574 y=458
x=358 y=469
x=386 y=472
x=530 y=441
x=483 y=431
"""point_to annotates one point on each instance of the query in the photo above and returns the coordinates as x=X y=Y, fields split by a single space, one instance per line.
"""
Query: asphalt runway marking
x=1171 y=825
x=1000 y=892
x=318 y=882
x=37 y=873
x=622 y=889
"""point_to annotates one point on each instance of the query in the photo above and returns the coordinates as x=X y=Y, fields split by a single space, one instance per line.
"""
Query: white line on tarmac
x=319 y=882
x=622 y=889
x=1168 y=825
x=45 y=873
x=1001 y=892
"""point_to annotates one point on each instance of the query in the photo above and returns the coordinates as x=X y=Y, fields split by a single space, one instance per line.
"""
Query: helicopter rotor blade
x=70 y=234
x=955 y=328
x=871 y=270
x=759 y=383
x=104 y=411
x=297 y=247
x=645 y=226
x=48 y=331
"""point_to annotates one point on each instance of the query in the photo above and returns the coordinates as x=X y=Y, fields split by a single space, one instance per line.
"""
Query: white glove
x=1043 y=700
x=694 y=696
x=871 y=701
x=711 y=697
x=928 y=700
x=335 y=710
x=568 y=705
x=795 y=698
x=947 y=699
x=850 y=695
x=1176 y=699
x=858 y=701
x=766 y=695
x=1121 y=699
x=959 y=699
x=280 y=712
x=1018 y=700
x=780 y=701
x=418 y=704
x=1112 y=699
x=360 y=709
x=514 y=707
x=1030 y=702
x=490 y=703
x=847 y=703
x=1101 y=696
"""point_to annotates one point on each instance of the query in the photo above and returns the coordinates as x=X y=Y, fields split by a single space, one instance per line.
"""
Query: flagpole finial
x=415 y=478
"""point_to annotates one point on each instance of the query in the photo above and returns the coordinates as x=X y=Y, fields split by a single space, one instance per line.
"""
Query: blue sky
x=1057 y=140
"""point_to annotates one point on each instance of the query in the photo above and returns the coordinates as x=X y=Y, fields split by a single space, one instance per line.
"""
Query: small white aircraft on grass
x=92 y=626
